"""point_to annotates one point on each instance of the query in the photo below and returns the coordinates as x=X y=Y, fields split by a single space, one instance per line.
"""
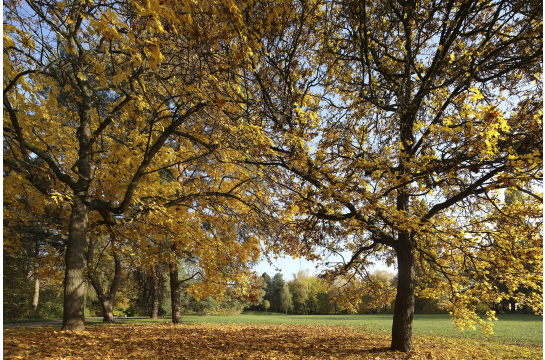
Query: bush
x=229 y=307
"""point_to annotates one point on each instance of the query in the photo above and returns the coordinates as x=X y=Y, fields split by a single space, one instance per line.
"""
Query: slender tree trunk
x=404 y=304
x=74 y=292
x=36 y=283
x=175 y=293
x=513 y=304
x=155 y=293
x=36 y=296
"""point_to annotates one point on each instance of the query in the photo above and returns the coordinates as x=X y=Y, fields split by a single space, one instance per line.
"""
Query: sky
x=288 y=266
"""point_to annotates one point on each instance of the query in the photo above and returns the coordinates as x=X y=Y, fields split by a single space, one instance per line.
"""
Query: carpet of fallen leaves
x=240 y=341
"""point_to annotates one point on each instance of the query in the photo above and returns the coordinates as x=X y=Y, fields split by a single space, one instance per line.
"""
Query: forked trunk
x=106 y=301
x=404 y=304
x=74 y=291
x=175 y=294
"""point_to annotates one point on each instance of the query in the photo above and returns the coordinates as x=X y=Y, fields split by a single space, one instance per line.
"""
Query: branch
x=535 y=196
x=148 y=157
x=14 y=81
x=189 y=278
x=462 y=195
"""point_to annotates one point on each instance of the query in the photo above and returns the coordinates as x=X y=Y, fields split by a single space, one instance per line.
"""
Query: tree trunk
x=106 y=301
x=74 y=292
x=36 y=282
x=513 y=304
x=108 y=311
x=154 y=293
x=175 y=293
x=36 y=296
x=404 y=304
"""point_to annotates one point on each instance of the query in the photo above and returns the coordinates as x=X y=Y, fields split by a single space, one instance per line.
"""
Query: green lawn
x=511 y=328
x=27 y=320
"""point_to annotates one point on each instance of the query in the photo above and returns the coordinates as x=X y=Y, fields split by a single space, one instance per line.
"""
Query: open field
x=511 y=328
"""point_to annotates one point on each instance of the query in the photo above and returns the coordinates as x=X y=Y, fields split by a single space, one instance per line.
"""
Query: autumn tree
x=285 y=298
x=299 y=288
x=106 y=298
x=33 y=242
x=362 y=109
x=151 y=289
x=266 y=305
x=379 y=290
x=98 y=99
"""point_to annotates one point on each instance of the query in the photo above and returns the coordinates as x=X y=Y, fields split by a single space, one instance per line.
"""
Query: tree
x=268 y=286
x=299 y=288
x=98 y=100
x=32 y=242
x=278 y=284
x=107 y=300
x=151 y=290
x=379 y=287
x=266 y=305
x=285 y=298
x=390 y=103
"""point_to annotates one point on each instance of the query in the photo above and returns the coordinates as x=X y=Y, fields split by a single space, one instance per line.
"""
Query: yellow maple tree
x=391 y=130
x=112 y=109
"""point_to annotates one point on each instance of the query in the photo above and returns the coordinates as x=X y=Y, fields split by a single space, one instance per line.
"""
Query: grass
x=27 y=320
x=516 y=329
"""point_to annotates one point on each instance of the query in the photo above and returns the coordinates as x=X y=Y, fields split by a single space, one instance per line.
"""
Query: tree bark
x=36 y=282
x=36 y=296
x=74 y=292
x=175 y=293
x=404 y=303
x=155 y=293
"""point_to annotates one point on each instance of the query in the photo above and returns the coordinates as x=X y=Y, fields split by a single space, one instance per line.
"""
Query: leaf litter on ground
x=242 y=341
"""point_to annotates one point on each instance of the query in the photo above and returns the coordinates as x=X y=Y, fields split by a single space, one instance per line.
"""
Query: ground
x=248 y=339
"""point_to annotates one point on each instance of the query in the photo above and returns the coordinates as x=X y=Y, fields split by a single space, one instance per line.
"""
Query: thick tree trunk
x=175 y=293
x=155 y=293
x=74 y=292
x=404 y=304
x=36 y=296
x=108 y=311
